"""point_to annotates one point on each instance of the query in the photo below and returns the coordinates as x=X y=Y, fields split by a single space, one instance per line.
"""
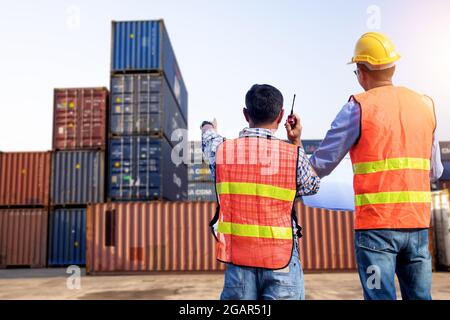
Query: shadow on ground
x=28 y=273
x=154 y=294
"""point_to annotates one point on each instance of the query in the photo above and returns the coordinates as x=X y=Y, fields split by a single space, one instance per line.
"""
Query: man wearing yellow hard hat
x=390 y=134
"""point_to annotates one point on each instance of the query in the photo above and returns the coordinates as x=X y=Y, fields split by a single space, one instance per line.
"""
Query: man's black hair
x=264 y=103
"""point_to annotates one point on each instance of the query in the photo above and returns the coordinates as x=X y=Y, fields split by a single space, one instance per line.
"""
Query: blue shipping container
x=198 y=165
x=446 y=173
x=143 y=46
x=67 y=237
x=142 y=104
x=310 y=146
x=78 y=177
x=141 y=168
x=445 y=150
x=202 y=191
x=195 y=153
x=199 y=173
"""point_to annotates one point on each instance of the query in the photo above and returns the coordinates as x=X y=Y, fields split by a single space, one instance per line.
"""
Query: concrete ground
x=52 y=284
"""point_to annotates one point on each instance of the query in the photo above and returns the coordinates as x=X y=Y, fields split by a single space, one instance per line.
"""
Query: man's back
x=258 y=178
x=256 y=185
x=391 y=161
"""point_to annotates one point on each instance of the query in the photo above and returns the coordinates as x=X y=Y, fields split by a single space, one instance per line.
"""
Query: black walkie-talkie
x=292 y=120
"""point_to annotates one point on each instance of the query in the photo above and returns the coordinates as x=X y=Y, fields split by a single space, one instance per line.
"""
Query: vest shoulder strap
x=430 y=104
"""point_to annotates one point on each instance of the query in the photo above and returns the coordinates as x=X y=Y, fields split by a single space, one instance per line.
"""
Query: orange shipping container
x=175 y=236
x=155 y=236
x=23 y=237
x=25 y=178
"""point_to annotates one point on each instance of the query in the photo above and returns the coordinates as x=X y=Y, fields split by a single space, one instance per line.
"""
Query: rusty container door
x=23 y=237
x=25 y=178
x=80 y=118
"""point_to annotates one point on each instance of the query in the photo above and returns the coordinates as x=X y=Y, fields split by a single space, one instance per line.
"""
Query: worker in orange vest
x=258 y=178
x=390 y=134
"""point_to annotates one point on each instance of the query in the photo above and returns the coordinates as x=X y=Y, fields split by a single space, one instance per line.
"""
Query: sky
x=223 y=47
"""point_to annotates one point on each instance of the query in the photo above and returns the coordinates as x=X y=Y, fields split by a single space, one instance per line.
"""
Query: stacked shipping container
x=24 y=200
x=23 y=237
x=201 y=185
x=441 y=227
x=148 y=115
x=142 y=104
x=25 y=179
x=141 y=168
x=78 y=177
x=441 y=211
x=78 y=171
x=149 y=101
x=445 y=157
x=310 y=146
x=79 y=118
x=67 y=237
x=144 y=47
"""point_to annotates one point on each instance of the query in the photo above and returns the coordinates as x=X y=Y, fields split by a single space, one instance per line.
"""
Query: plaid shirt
x=308 y=182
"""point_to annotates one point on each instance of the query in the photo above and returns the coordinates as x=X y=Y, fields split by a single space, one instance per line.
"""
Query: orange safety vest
x=256 y=187
x=391 y=160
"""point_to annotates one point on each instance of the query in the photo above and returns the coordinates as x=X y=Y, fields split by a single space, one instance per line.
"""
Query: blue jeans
x=382 y=254
x=242 y=283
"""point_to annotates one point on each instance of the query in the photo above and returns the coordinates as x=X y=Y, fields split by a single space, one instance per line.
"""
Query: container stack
x=201 y=185
x=445 y=157
x=52 y=204
x=78 y=170
x=310 y=146
x=440 y=217
x=24 y=207
x=148 y=107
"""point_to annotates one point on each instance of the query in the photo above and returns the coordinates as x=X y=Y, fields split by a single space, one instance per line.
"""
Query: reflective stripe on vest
x=391 y=164
x=246 y=230
x=253 y=189
x=392 y=197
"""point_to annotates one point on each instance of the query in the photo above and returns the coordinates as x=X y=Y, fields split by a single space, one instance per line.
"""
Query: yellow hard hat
x=376 y=50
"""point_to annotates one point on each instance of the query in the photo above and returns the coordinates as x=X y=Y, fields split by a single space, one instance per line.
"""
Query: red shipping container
x=79 y=118
x=328 y=239
x=175 y=236
x=23 y=237
x=25 y=178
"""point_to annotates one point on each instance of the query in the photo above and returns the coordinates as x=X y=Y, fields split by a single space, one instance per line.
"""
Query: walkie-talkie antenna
x=293 y=104
x=291 y=119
